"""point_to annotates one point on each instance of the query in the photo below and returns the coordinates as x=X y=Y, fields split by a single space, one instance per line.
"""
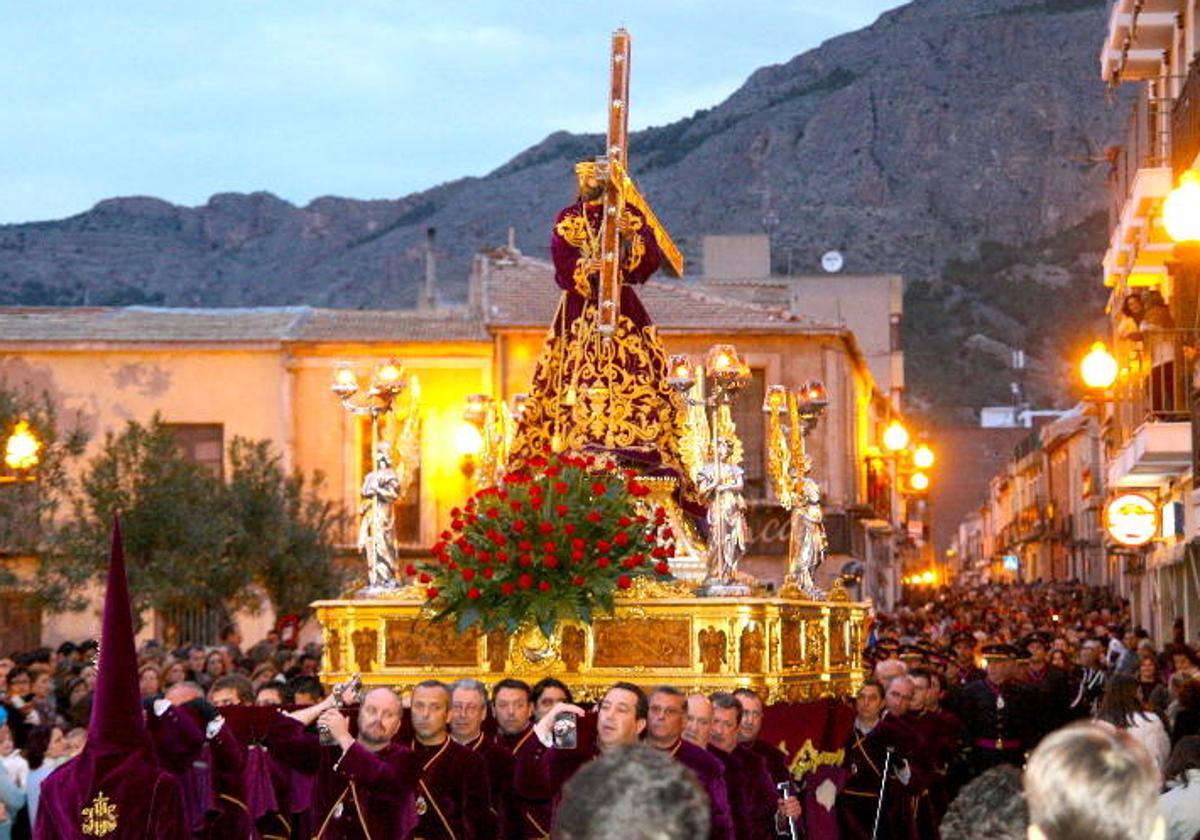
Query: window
x=201 y=443
x=20 y=622
x=751 y=428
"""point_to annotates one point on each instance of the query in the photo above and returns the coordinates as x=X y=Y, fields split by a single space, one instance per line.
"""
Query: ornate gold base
x=788 y=649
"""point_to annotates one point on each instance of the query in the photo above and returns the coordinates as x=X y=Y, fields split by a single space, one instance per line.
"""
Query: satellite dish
x=831 y=261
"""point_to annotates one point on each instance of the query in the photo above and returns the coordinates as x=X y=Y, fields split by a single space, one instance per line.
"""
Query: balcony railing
x=1185 y=123
x=1147 y=144
x=1156 y=388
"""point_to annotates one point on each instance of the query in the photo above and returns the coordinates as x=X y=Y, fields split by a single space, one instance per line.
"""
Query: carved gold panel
x=650 y=642
x=415 y=641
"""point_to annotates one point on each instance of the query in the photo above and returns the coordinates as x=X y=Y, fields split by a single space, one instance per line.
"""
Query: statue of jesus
x=594 y=392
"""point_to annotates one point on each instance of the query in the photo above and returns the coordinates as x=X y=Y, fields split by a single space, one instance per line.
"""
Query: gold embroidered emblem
x=100 y=817
x=422 y=805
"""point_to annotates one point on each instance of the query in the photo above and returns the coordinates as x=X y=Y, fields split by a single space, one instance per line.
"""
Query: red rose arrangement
x=550 y=544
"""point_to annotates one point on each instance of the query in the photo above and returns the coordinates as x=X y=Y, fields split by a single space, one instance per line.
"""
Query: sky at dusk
x=355 y=98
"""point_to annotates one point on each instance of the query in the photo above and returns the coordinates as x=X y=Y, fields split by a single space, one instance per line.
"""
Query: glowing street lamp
x=1181 y=210
x=21 y=450
x=895 y=436
x=923 y=457
x=1099 y=368
x=919 y=482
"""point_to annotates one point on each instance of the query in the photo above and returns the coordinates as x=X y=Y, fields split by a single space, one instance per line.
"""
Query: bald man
x=365 y=786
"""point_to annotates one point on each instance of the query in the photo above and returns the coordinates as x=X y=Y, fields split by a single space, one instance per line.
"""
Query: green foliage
x=548 y=546
x=191 y=540
x=27 y=506
x=284 y=528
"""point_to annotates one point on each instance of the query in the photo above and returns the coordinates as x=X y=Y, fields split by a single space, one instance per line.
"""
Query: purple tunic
x=710 y=772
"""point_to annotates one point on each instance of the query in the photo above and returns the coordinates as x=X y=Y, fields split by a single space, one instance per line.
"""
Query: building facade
x=266 y=373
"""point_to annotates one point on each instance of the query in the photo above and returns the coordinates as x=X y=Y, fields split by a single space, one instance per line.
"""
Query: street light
x=919 y=482
x=923 y=457
x=1181 y=210
x=1099 y=368
x=21 y=451
x=895 y=436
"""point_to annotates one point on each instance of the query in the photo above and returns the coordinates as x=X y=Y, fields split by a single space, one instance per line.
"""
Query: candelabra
x=715 y=455
x=490 y=425
x=399 y=446
x=790 y=468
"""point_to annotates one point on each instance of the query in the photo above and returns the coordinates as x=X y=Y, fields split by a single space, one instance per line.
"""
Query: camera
x=565 y=731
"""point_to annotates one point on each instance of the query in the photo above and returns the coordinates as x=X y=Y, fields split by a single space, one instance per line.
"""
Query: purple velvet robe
x=359 y=793
x=454 y=801
x=528 y=819
x=710 y=772
x=752 y=799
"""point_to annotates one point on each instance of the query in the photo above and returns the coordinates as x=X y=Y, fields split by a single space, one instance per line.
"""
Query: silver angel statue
x=807 y=544
x=720 y=483
x=377 y=528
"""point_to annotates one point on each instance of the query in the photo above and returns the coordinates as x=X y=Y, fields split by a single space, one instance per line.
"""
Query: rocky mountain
x=958 y=142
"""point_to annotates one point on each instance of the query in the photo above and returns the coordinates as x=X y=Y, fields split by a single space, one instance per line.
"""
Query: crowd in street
x=976 y=704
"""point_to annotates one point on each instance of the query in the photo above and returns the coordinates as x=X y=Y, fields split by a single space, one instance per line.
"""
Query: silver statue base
x=718 y=589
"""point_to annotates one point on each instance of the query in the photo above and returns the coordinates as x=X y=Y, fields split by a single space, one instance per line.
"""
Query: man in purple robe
x=753 y=799
x=751 y=728
x=512 y=706
x=115 y=787
x=366 y=787
x=664 y=731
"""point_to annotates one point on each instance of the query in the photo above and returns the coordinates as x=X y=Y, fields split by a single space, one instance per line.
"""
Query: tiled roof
x=146 y=324
x=520 y=292
x=389 y=325
x=140 y=324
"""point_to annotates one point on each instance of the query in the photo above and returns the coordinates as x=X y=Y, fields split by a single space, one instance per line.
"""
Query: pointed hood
x=116 y=706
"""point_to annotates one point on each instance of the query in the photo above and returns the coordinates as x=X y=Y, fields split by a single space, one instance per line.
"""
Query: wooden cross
x=620 y=190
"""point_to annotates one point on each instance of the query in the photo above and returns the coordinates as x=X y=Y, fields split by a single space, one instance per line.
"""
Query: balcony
x=1151 y=428
x=1185 y=123
x=1139 y=33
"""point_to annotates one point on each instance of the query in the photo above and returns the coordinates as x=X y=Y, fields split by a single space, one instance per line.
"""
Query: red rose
x=551 y=471
x=488 y=572
x=473 y=593
x=621 y=538
x=578 y=580
x=484 y=556
x=519 y=526
x=525 y=581
x=624 y=582
x=424 y=578
x=545 y=528
x=493 y=513
x=561 y=487
x=561 y=510
x=623 y=521
x=638 y=490
x=668 y=534
x=603 y=545
x=569 y=528
x=410 y=570
x=602 y=562
x=658 y=552
x=506 y=589
x=468 y=574
x=544 y=585
x=468 y=550
x=457 y=525
x=628 y=563
x=637 y=559
x=515 y=505
x=599 y=488
x=550 y=561
x=501 y=556
x=662 y=567
x=537 y=461
x=525 y=545
x=594 y=516
x=526 y=561
x=578 y=543
x=472 y=519
x=630 y=473
x=455 y=513
x=447 y=536
x=660 y=513
x=577 y=556
x=431 y=592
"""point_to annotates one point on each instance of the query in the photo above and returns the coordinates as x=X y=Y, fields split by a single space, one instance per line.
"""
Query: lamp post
x=383 y=485
x=1099 y=370
x=720 y=477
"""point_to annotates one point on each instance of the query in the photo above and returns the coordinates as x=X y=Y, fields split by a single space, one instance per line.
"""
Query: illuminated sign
x=1131 y=519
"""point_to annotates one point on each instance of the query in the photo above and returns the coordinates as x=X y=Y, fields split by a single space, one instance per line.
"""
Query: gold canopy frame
x=787 y=649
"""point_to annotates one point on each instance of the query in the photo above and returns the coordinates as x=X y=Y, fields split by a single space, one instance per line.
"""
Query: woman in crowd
x=1121 y=707
x=45 y=749
x=1151 y=690
x=1180 y=805
x=150 y=681
x=174 y=672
